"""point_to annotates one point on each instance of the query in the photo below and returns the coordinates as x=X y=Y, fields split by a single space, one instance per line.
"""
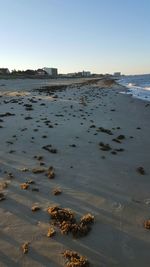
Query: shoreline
x=77 y=122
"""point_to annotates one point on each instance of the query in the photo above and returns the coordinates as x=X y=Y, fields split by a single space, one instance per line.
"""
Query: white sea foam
x=138 y=86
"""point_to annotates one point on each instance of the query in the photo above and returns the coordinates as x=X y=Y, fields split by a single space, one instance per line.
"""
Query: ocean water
x=138 y=85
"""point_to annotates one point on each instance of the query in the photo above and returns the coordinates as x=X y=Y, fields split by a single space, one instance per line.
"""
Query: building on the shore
x=4 y=71
x=79 y=74
x=86 y=73
x=41 y=72
x=51 y=71
x=117 y=74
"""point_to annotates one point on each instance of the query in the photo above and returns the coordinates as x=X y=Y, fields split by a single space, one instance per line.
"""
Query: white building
x=86 y=73
x=4 y=71
x=51 y=71
x=117 y=74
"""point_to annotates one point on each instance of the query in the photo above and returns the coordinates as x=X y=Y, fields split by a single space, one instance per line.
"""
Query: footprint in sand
x=117 y=207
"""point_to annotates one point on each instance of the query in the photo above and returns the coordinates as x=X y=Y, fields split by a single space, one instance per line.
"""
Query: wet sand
x=95 y=170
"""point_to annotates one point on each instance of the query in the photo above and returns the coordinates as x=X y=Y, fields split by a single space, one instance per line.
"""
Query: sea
x=138 y=85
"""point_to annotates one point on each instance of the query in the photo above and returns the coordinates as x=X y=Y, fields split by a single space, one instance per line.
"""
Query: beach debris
x=10 y=175
x=24 y=186
x=73 y=259
x=51 y=232
x=92 y=126
x=38 y=157
x=35 y=208
x=25 y=247
x=73 y=145
x=141 y=170
x=88 y=218
x=38 y=170
x=9 y=142
x=50 y=172
x=114 y=152
x=121 y=137
x=28 y=105
x=28 y=118
x=3 y=185
x=50 y=89
x=24 y=170
x=104 y=147
x=53 y=150
x=61 y=214
x=57 y=192
x=147 y=224
x=119 y=149
x=42 y=163
x=116 y=140
x=67 y=223
x=50 y=149
x=2 y=197
x=103 y=130
x=44 y=136
x=7 y=114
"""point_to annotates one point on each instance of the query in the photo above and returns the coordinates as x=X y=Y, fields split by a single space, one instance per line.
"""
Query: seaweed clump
x=2 y=197
x=24 y=186
x=141 y=170
x=147 y=224
x=25 y=247
x=50 y=149
x=67 y=223
x=35 y=208
x=104 y=147
x=73 y=259
x=51 y=232
x=104 y=130
x=50 y=172
x=57 y=191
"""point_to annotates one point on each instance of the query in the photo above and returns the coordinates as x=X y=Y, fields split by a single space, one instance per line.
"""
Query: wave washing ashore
x=138 y=85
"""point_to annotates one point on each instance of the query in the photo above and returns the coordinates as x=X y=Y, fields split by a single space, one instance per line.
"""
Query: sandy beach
x=96 y=139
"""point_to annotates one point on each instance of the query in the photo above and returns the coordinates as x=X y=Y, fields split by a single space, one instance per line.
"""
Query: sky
x=101 y=36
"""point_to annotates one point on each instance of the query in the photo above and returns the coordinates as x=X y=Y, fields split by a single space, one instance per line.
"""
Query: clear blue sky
x=98 y=35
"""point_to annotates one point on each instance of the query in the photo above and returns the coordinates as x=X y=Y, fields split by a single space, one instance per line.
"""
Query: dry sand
x=91 y=180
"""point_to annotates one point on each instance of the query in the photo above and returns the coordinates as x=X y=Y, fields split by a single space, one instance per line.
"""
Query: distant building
x=117 y=74
x=86 y=73
x=4 y=71
x=51 y=71
x=79 y=74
